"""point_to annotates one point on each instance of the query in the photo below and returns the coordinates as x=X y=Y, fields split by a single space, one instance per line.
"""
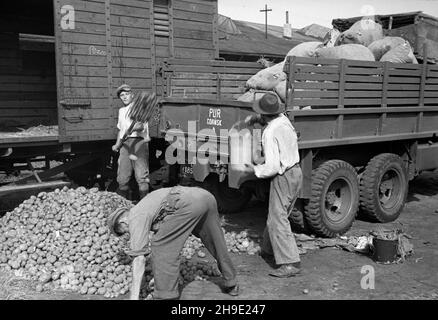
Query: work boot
x=232 y=291
x=123 y=193
x=285 y=271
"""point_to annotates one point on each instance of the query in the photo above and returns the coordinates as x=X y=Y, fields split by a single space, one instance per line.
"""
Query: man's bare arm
x=137 y=275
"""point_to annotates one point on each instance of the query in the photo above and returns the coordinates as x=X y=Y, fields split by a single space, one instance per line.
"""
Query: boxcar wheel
x=383 y=188
x=334 y=201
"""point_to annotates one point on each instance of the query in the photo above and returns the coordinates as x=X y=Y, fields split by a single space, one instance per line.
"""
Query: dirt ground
x=329 y=273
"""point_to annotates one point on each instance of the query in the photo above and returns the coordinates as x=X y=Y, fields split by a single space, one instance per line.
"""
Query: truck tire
x=383 y=188
x=297 y=218
x=228 y=200
x=334 y=201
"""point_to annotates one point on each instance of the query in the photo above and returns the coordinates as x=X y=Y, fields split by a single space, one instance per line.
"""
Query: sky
x=305 y=12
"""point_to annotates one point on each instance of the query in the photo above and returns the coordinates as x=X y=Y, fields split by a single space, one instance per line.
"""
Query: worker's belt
x=167 y=207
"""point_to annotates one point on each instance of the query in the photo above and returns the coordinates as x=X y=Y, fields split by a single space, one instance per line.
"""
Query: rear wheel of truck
x=229 y=200
x=334 y=201
x=383 y=188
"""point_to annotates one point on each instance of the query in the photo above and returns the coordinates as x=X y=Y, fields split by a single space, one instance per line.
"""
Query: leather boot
x=123 y=193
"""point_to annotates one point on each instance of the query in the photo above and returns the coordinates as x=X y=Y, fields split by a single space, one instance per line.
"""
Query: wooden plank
x=142 y=4
x=192 y=34
x=193 y=16
x=193 y=43
x=101 y=50
x=194 y=53
x=100 y=39
x=193 y=6
x=205 y=69
x=93 y=82
x=385 y=86
x=314 y=61
x=211 y=76
x=405 y=73
x=358 y=102
x=90 y=92
x=364 y=71
x=132 y=32
x=207 y=83
x=215 y=63
x=192 y=25
x=93 y=61
x=315 y=69
x=92 y=71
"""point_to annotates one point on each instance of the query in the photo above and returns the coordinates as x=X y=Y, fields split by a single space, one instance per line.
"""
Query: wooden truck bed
x=351 y=102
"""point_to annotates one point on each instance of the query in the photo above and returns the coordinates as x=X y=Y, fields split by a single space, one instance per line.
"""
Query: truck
x=370 y=130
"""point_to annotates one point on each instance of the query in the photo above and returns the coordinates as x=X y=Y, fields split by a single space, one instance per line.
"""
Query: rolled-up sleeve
x=271 y=167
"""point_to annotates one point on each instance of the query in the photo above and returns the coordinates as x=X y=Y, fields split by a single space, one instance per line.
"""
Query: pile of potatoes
x=60 y=239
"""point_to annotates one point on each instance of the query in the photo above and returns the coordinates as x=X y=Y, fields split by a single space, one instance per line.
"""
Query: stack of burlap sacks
x=365 y=40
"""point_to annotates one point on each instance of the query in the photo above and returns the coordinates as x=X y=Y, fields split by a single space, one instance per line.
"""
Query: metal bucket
x=385 y=251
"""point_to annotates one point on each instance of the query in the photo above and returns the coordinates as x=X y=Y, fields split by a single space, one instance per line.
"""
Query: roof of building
x=314 y=30
x=248 y=38
x=398 y=20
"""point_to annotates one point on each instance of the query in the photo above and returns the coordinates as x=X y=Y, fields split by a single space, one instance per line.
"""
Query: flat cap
x=123 y=87
x=113 y=217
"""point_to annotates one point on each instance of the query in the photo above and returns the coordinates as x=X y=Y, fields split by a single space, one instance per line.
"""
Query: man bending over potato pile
x=173 y=214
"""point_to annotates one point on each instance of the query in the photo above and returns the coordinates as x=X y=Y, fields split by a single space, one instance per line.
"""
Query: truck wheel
x=333 y=204
x=297 y=217
x=228 y=200
x=383 y=188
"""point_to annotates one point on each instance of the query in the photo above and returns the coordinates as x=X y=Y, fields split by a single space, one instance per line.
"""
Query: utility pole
x=266 y=19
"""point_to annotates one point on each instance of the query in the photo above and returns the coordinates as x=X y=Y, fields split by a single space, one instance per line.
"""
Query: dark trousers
x=195 y=211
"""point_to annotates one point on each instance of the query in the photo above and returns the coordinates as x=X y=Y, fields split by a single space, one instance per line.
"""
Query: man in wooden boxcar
x=173 y=214
x=134 y=153
x=280 y=147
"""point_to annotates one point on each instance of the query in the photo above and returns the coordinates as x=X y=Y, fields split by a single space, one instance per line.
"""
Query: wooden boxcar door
x=100 y=44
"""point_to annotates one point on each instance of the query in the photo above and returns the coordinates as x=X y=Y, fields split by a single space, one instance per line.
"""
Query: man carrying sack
x=280 y=147
x=134 y=151
x=173 y=214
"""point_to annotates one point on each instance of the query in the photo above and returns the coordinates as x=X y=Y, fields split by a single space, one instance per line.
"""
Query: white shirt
x=280 y=146
x=124 y=123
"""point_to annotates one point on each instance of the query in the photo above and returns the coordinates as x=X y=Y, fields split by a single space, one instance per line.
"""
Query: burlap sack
x=305 y=49
x=382 y=46
x=400 y=54
x=268 y=78
x=346 y=51
x=363 y=32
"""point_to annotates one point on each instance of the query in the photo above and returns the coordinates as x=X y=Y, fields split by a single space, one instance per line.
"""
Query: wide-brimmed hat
x=113 y=217
x=123 y=87
x=268 y=104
